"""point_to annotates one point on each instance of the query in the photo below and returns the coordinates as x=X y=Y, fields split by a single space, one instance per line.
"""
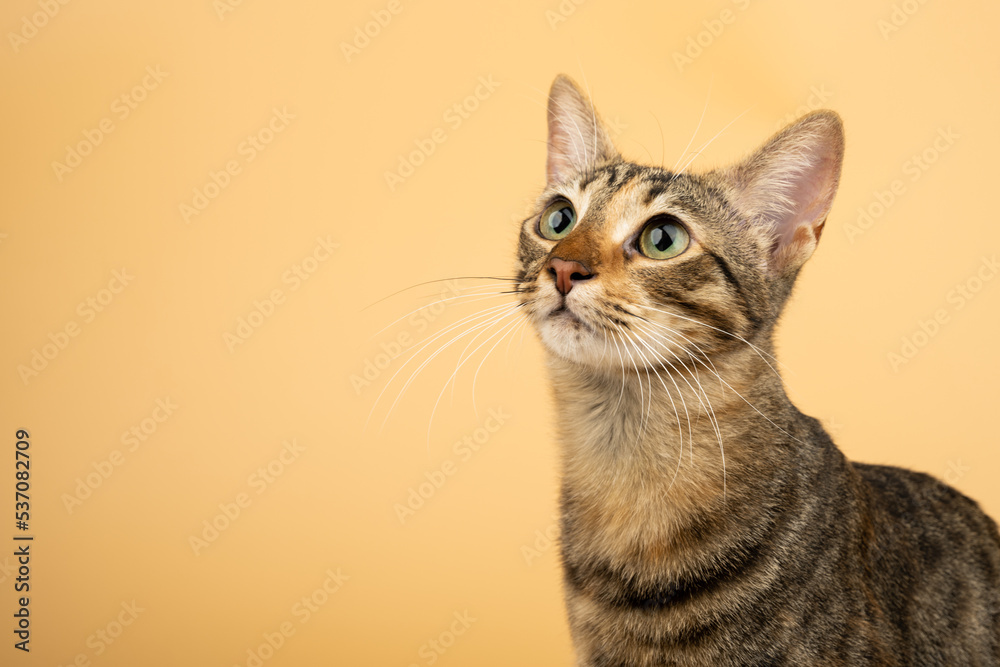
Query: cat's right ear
x=578 y=140
x=787 y=186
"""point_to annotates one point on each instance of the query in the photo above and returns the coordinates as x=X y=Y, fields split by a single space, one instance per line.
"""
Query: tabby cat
x=704 y=519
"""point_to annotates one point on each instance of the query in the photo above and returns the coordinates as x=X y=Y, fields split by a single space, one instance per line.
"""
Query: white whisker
x=756 y=349
x=691 y=140
x=707 y=144
x=706 y=404
x=621 y=359
x=508 y=328
x=486 y=312
x=642 y=401
x=492 y=323
x=482 y=297
x=489 y=322
x=731 y=388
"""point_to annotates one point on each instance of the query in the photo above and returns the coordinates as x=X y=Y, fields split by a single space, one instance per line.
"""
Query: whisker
x=760 y=353
x=520 y=342
x=462 y=355
x=691 y=140
x=428 y=305
x=479 y=325
x=506 y=354
x=706 y=404
x=687 y=415
x=492 y=323
x=513 y=325
x=621 y=360
x=665 y=360
x=488 y=323
x=677 y=418
x=680 y=395
x=642 y=401
x=593 y=112
x=688 y=340
x=708 y=143
x=570 y=115
x=663 y=141
x=440 y=280
x=486 y=312
x=731 y=388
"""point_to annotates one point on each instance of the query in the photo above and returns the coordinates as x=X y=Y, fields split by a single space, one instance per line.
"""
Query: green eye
x=557 y=220
x=662 y=239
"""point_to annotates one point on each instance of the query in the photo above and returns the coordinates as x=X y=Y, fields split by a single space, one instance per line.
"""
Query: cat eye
x=663 y=238
x=557 y=220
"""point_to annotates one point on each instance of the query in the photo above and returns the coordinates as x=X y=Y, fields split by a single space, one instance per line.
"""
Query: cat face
x=628 y=265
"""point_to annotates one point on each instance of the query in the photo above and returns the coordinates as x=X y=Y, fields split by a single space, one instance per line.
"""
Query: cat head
x=624 y=259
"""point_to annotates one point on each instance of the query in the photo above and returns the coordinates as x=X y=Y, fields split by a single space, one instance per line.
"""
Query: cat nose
x=566 y=273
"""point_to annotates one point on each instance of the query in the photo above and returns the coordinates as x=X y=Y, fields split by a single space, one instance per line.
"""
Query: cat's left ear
x=578 y=140
x=789 y=183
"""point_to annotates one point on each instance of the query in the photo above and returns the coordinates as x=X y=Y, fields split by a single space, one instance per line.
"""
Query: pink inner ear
x=787 y=186
x=809 y=201
x=575 y=143
x=577 y=139
x=563 y=157
x=791 y=183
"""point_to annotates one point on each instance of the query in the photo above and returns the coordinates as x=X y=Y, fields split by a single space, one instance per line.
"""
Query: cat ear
x=578 y=140
x=788 y=185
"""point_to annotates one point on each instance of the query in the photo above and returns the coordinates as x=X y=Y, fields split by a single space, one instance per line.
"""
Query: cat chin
x=573 y=342
x=568 y=340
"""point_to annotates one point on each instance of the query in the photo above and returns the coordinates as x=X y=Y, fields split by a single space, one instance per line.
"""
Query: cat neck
x=654 y=452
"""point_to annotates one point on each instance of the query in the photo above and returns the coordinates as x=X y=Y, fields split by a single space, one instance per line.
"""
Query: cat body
x=704 y=519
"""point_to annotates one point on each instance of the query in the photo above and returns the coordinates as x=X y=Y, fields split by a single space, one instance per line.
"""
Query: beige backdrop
x=206 y=202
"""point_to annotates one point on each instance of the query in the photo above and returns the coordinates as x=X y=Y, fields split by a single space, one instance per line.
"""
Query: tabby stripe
x=731 y=277
x=626 y=172
x=700 y=312
x=591 y=176
x=653 y=192
x=612 y=587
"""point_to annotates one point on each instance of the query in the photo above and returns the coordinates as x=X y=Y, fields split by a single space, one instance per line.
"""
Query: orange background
x=328 y=128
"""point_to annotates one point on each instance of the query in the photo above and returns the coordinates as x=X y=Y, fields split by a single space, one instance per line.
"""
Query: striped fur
x=705 y=520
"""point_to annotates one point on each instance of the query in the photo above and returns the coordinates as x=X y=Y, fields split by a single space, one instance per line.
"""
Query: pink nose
x=566 y=273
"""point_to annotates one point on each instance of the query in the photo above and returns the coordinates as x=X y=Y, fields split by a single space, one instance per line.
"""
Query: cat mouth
x=563 y=313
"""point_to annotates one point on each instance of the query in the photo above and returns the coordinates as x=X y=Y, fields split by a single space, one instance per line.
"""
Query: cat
x=704 y=519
